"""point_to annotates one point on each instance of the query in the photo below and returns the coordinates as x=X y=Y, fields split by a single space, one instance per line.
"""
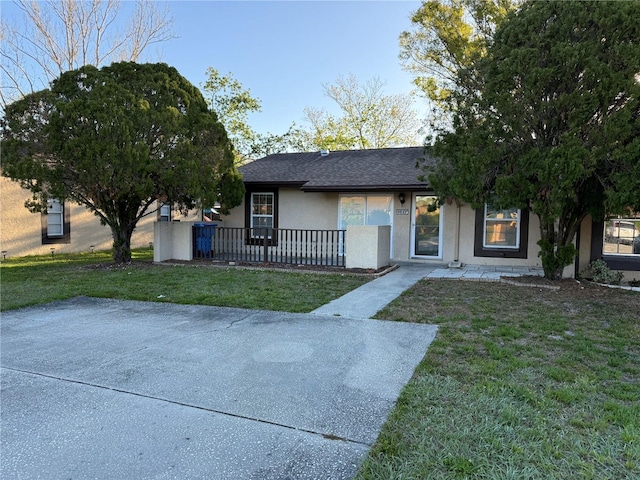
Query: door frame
x=412 y=227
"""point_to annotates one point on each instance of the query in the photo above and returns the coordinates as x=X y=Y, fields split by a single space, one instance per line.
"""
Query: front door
x=426 y=227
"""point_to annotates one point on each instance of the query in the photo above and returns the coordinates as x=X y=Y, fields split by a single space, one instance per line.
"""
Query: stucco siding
x=21 y=230
x=313 y=210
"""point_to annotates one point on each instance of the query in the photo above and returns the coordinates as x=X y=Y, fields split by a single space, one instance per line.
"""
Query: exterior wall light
x=401 y=198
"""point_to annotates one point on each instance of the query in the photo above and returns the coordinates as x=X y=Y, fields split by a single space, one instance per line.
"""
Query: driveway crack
x=326 y=436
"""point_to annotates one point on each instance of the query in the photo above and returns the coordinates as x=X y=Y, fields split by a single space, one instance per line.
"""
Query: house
x=66 y=228
x=334 y=190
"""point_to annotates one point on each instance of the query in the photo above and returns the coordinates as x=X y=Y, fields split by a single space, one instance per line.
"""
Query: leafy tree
x=370 y=119
x=556 y=126
x=449 y=35
x=233 y=104
x=58 y=36
x=117 y=140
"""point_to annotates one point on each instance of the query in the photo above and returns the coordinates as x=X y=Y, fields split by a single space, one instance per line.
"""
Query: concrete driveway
x=110 y=389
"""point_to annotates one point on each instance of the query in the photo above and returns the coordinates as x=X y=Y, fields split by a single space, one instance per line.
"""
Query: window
x=617 y=241
x=55 y=218
x=261 y=213
x=501 y=228
x=262 y=210
x=55 y=224
x=622 y=235
x=365 y=210
x=501 y=232
x=164 y=215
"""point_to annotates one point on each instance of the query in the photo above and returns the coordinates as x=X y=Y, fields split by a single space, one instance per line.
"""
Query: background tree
x=60 y=35
x=117 y=140
x=447 y=36
x=369 y=118
x=556 y=126
x=233 y=104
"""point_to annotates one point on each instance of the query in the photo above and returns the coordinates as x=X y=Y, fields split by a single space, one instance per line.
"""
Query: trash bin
x=203 y=239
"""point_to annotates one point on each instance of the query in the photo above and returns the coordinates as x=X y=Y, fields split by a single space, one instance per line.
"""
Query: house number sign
x=402 y=211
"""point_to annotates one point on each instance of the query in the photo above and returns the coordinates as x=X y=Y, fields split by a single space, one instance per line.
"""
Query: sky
x=284 y=51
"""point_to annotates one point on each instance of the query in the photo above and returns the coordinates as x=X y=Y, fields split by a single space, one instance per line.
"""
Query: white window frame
x=165 y=212
x=501 y=220
x=55 y=218
x=253 y=215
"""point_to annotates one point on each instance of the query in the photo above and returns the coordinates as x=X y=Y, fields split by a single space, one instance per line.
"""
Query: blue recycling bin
x=203 y=239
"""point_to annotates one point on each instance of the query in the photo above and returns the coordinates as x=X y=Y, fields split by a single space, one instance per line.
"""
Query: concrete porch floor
x=487 y=273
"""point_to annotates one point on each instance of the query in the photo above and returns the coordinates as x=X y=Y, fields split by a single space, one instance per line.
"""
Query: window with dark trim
x=617 y=242
x=501 y=233
x=56 y=223
x=261 y=214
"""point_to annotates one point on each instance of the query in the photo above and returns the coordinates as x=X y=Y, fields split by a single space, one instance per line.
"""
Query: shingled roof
x=355 y=170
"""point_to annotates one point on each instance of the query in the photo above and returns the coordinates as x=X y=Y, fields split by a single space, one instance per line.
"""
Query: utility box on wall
x=368 y=246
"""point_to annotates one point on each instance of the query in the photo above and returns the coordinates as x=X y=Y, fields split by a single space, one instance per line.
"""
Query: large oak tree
x=117 y=140
x=556 y=125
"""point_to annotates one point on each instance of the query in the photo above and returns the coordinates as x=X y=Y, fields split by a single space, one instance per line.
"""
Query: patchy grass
x=41 y=279
x=520 y=383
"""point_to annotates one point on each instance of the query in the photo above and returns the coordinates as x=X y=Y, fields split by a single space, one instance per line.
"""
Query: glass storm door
x=426 y=227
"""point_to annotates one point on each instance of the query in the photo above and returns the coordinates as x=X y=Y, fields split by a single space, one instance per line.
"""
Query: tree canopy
x=447 y=36
x=556 y=125
x=117 y=140
x=369 y=118
x=233 y=104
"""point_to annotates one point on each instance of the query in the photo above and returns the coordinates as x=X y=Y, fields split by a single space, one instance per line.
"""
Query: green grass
x=40 y=279
x=520 y=383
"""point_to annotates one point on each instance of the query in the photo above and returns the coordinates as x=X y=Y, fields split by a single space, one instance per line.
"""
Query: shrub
x=601 y=273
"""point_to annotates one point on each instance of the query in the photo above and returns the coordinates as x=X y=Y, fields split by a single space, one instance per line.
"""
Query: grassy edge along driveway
x=520 y=383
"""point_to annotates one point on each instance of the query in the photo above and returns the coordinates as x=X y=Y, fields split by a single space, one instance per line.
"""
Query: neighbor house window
x=55 y=218
x=501 y=232
x=55 y=224
x=165 y=213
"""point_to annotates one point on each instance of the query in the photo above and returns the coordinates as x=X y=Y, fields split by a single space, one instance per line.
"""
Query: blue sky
x=283 y=51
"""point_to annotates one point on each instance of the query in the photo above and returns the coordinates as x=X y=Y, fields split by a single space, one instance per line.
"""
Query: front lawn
x=40 y=279
x=520 y=383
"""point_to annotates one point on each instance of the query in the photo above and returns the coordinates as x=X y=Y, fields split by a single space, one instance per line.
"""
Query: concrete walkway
x=370 y=298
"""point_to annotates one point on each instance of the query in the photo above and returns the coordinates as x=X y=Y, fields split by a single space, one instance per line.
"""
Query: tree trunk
x=556 y=246
x=121 y=244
